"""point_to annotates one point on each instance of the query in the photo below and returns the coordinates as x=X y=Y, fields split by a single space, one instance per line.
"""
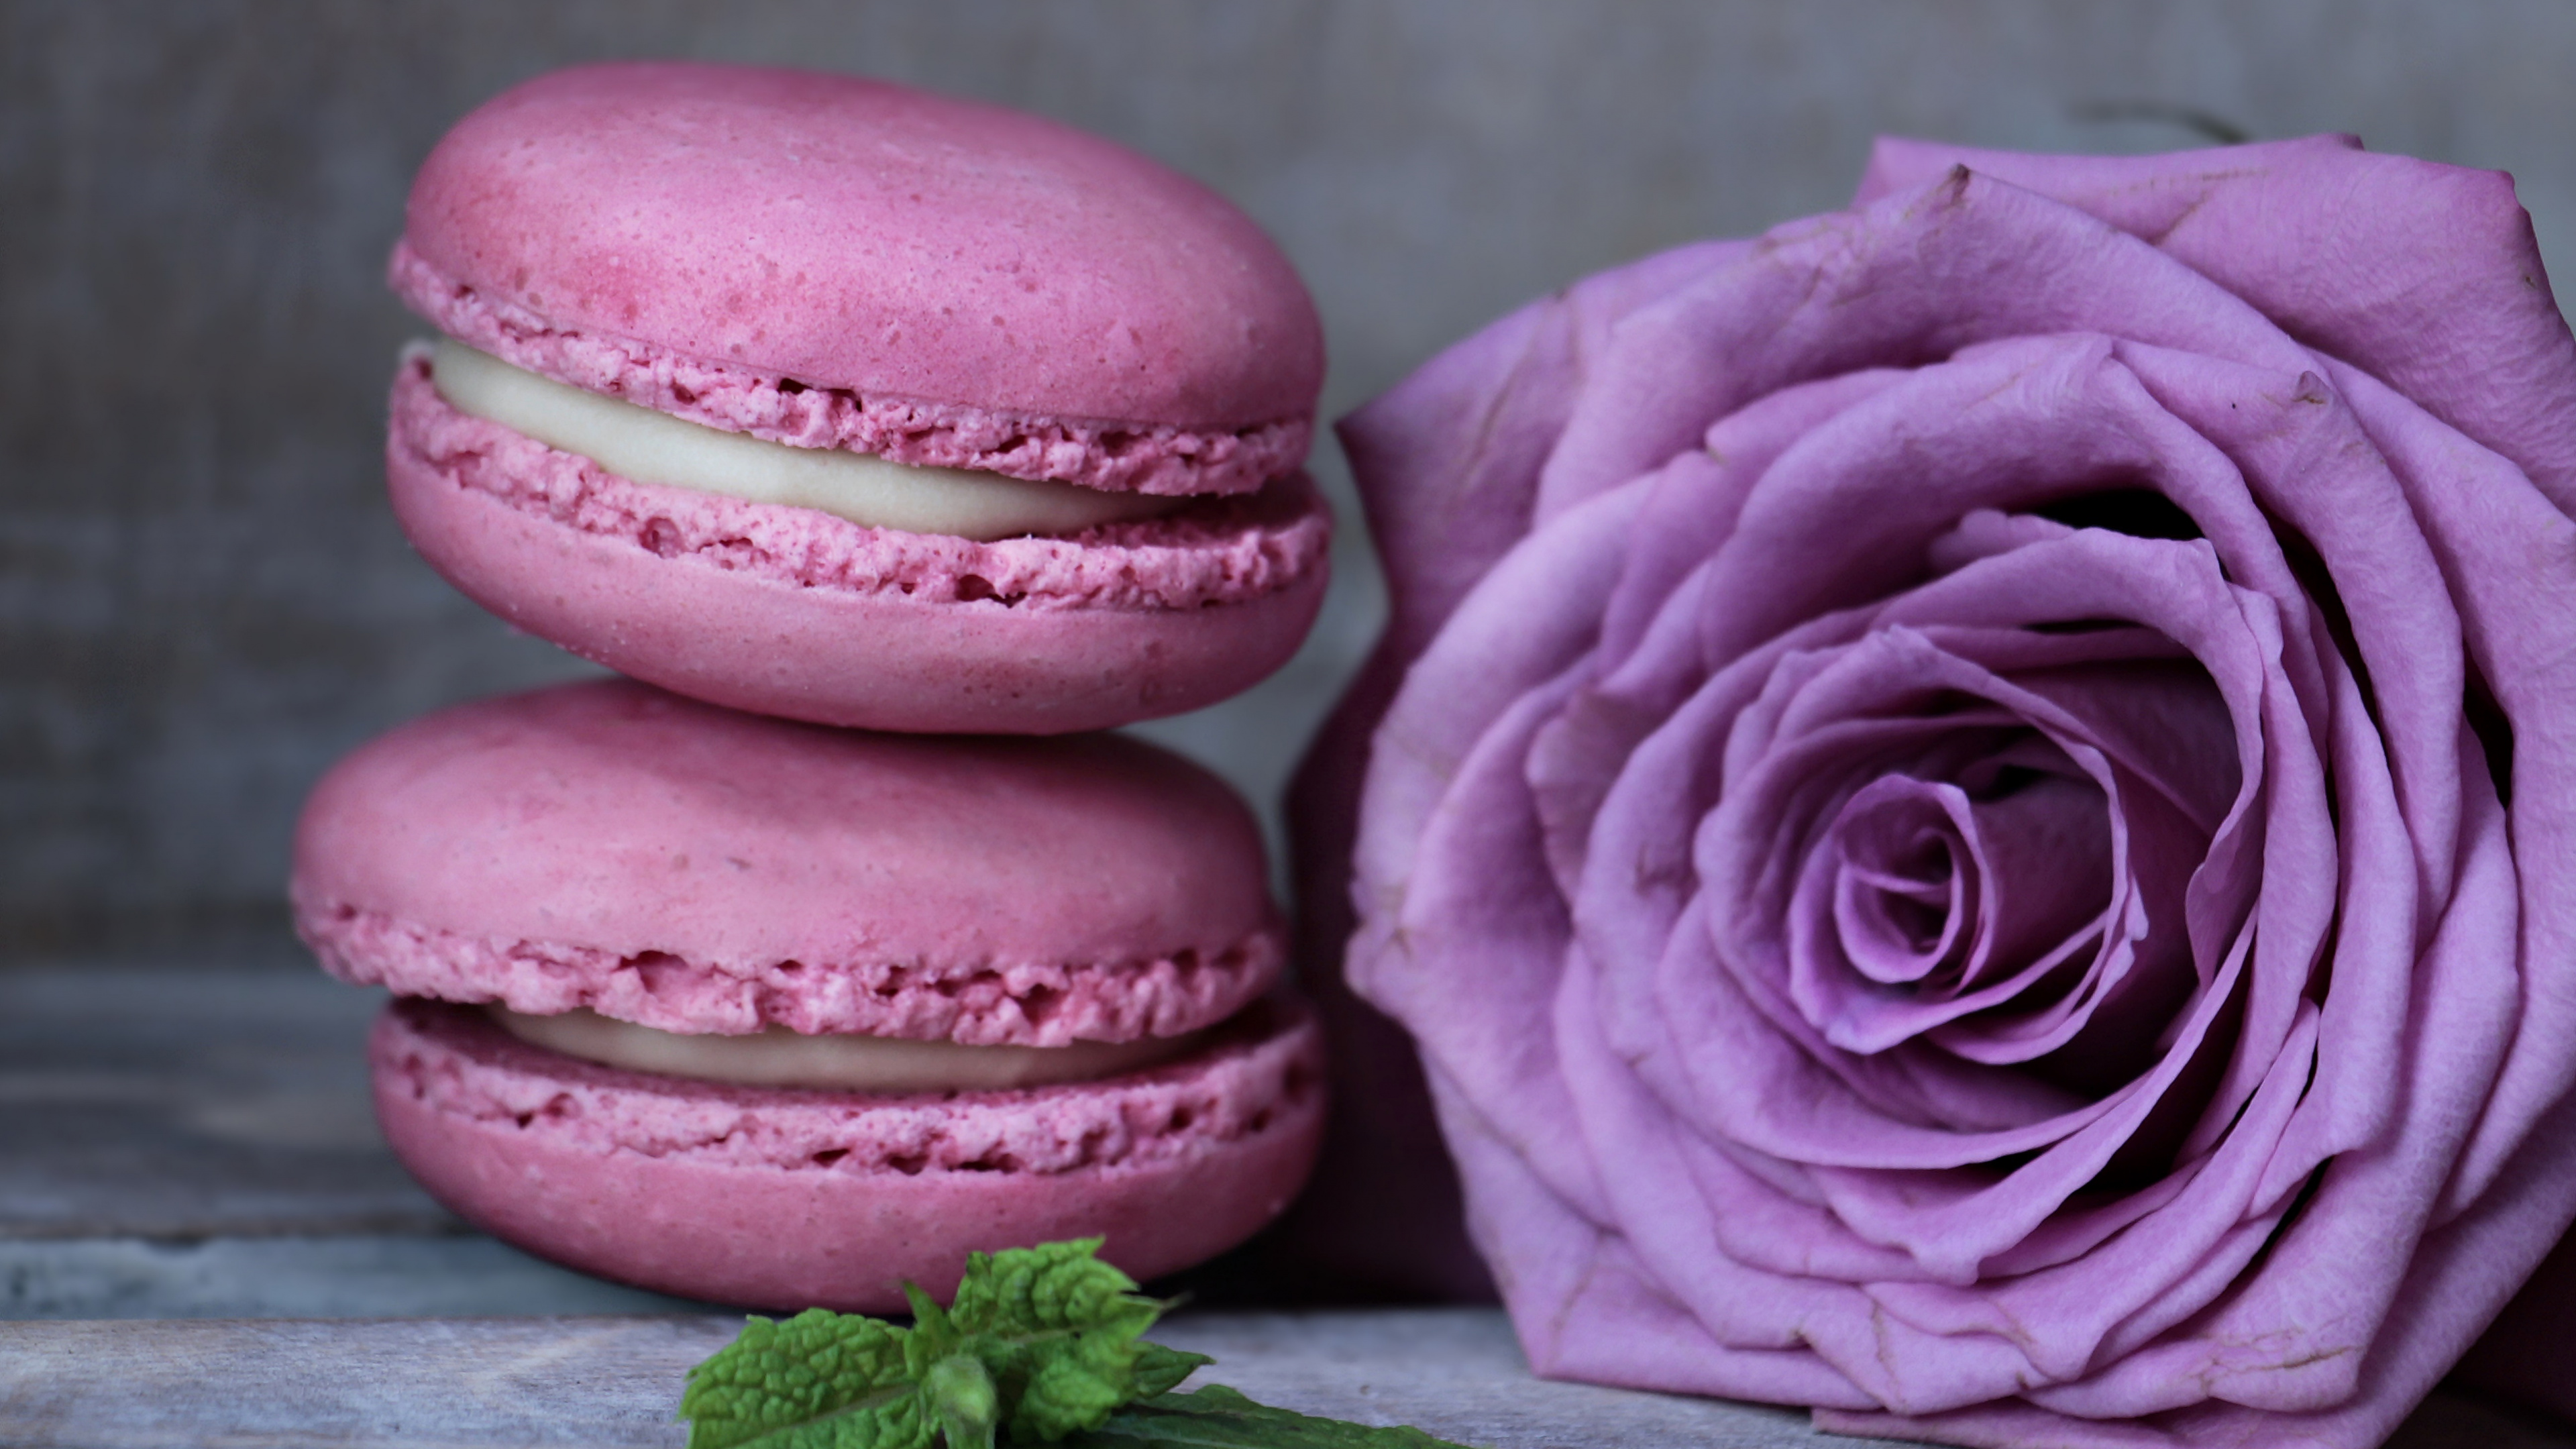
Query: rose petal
x=2175 y=1260
x=1694 y=505
x=1425 y=882
x=1916 y=275
x=1852 y=512
x=2308 y=463
x=2297 y=1337
x=2440 y=292
x=2508 y=560
x=1585 y=1307
x=1454 y=451
x=1949 y=906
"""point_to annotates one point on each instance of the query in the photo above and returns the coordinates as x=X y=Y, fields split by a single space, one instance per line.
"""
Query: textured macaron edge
x=764 y=1207
x=1117 y=455
x=1258 y=1074
x=978 y=1003
x=1214 y=552
x=978 y=663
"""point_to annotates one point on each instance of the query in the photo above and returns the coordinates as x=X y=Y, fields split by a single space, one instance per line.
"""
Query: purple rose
x=1979 y=830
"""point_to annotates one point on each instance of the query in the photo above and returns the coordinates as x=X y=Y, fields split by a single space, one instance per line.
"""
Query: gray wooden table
x=204 y=1242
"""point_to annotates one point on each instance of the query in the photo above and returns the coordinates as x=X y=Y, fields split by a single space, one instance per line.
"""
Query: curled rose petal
x=1975 y=799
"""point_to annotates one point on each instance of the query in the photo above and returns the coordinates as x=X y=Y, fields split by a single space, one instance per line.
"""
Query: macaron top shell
x=846 y=234
x=673 y=839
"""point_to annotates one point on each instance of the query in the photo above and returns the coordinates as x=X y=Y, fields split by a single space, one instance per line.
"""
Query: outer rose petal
x=2426 y=276
x=1466 y=435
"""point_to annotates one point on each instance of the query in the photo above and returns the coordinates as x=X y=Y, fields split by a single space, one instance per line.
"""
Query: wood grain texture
x=614 y=1382
x=441 y=1382
x=469 y=1383
x=346 y=1275
x=185 y=1103
x=184 y=1142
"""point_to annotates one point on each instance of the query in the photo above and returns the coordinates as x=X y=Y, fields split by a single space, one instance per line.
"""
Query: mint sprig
x=1038 y=1343
x=1039 y=1346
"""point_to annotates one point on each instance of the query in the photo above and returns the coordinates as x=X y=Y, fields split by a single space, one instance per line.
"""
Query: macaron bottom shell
x=786 y=633
x=785 y=1200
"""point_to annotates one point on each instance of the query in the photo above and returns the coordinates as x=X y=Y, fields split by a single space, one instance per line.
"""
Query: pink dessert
x=779 y=1015
x=834 y=400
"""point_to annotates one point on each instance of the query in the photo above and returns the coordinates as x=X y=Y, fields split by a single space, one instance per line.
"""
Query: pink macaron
x=779 y=1015
x=830 y=399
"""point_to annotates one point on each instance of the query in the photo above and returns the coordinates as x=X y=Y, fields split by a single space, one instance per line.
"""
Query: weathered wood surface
x=189 y=1142
x=423 y=1382
x=1459 y=1374
x=184 y=1103
x=353 y=1276
x=614 y=1382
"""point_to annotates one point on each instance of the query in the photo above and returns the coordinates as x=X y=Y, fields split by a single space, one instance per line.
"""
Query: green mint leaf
x=1217 y=1417
x=1057 y=1327
x=1159 y=1370
x=1068 y=1392
x=1056 y=1286
x=819 y=1380
x=934 y=1337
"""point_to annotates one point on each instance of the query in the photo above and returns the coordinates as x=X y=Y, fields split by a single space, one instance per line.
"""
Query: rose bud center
x=1985 y=890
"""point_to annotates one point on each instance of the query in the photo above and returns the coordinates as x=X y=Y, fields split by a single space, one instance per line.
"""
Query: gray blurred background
x=203 y=599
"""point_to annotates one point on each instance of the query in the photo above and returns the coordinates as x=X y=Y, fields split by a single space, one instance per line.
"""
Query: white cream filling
x=777 y=1057
x=653 y=447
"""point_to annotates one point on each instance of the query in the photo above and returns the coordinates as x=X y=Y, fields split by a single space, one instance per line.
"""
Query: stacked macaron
x=838 y=410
